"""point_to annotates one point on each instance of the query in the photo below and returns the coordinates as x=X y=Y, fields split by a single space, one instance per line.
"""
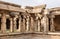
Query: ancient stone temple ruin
x=38 y=19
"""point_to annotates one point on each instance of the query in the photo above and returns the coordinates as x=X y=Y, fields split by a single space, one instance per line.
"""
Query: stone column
x=3 y=23
x=45 y=24
x=27 y=23
x=24 y=24
x=14 y=22
x=46 y=21
x=38 y=25
x=52 y=28
x=11 y=25
x=20 y=23
x=32 y=25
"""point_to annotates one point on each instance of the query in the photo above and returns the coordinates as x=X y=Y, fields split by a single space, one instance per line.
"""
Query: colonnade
x=26 y=23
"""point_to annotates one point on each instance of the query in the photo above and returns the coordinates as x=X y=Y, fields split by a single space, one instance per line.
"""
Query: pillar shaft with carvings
x=46 y=21
x=20 y=23
x=32 y=25
x=14 y=24
x=39 y=25
x=27 y=23
x=24 y=24
x=11 y=25
x=36 y=24
x=52 y=28
x=45 y=24
x=3 y=23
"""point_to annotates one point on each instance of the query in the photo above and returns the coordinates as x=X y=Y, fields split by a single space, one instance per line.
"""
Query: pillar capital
x=24 y=16
x=36 y=17
x=51 y=16
x=14 y=14
x=46 y=11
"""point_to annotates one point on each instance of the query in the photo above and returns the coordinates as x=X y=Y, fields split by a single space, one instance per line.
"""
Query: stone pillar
x=19 y=23
x=38 y=25
x=46 y=21
x=32 y=25
x=45 y=24
x=14 y=23
x=11 y=25
x=27 y=23
x=3 y=23
x=52 y=28
x=24 y=24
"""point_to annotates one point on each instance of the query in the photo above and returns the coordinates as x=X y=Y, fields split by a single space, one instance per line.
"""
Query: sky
x=49 y=3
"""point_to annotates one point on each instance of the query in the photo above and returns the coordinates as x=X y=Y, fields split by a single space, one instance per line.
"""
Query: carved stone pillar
x=45 y=24
x=14 y=23
x=39 y=25
x=24 y=24
x=36 y=24
x=52 y=28
x=27 y=23
x=3 y=23
x=11 y=25
x=32 y=25
x=20 y=23
x=46 y=21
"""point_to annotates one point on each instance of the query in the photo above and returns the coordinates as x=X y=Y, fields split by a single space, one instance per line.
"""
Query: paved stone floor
x=31 y=37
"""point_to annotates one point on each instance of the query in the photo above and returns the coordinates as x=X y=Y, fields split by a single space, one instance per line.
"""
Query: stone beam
x=10 y=7
x=37 y=9
x=56 y=13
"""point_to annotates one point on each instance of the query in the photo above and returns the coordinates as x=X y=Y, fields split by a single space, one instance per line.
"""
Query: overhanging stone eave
x=54 y=9
x=13 y=10
x=12 y=4
x=10 y=7
x=55 y=13
x=34 y=11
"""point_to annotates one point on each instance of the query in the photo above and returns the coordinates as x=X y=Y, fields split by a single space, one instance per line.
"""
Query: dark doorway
x=7 y=24
x=17 y=23
x=57 y=22
x=49 y=24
